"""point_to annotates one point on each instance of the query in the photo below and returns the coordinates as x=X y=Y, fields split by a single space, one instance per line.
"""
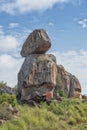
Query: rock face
x=38 y=73
x=67 y=83
x=37 y=42
x=40 y=76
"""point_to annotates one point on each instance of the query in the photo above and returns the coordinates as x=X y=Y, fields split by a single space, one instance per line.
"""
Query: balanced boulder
x=37 y=42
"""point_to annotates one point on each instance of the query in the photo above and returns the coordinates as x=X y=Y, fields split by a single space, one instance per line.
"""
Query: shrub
x=2 y=84
x=11 y=99
x=61 y=93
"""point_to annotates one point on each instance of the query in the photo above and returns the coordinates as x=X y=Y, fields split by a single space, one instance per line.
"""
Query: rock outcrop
x=67 y=83
x=37 y=74
x=40 y=76
x=8 y=90
x=37 y=42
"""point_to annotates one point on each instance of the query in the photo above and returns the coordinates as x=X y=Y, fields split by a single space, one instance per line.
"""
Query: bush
x=61 y=93
x=11 y=99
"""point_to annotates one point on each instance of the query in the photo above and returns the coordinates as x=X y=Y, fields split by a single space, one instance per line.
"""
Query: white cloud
x=8 y=65
x=8 y=8
x=10 y=61
x=7 y=43
x=9 y=68
x=76 y=63
x=83 y=23
x=23 y=6
x=13 y=25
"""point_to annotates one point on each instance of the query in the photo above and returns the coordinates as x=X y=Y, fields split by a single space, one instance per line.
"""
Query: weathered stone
x=11 y=109
x=84 y=96
x=1 y=121
x=77 y=95
x=67 y=83
x=37 y=74
x=75 y=87
x=85 y=126
x=40 y=78
x=7 y=89
x=37 y=42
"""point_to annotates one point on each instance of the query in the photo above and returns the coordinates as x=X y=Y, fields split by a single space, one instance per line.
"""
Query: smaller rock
x=11 y=109
x=77 y=95
x=85 y=126
x=37 y=42
x=8 y=90
x=1 y=121
x=84 y=96
x=15 y=111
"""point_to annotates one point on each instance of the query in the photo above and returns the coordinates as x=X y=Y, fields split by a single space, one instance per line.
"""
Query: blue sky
x=66 y=24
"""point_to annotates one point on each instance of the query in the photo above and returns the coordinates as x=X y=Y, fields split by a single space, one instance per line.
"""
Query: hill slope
x=70 y=114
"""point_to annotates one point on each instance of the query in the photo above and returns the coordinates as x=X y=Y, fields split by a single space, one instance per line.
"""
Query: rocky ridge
x=40 y=78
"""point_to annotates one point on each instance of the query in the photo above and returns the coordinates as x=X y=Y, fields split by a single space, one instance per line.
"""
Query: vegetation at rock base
x=58 y=80
x=70 y=114
x=10 y=99
x=61 y=93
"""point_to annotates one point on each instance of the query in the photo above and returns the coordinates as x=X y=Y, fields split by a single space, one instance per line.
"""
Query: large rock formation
x=38 y=73
x=40 y=76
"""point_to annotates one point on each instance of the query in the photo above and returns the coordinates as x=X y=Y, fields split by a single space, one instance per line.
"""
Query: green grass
x=70 y=114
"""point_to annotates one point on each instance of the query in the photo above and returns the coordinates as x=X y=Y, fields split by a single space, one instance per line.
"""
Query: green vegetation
x=5 y=100
x=70 y=114
x=61 y=93
x=59 y=80
x=10 y=99
x=2 y=84
x=4 y=114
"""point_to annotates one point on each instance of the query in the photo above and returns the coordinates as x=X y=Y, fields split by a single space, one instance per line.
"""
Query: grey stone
x=37 y=42
x=38 y=73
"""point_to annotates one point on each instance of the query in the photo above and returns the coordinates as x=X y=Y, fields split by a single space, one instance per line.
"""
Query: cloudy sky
x=66 y=24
